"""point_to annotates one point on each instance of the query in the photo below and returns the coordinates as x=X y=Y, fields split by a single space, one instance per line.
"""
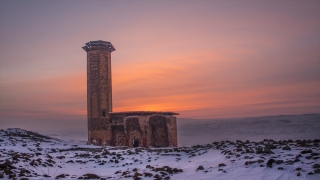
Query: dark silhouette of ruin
x=132 y=128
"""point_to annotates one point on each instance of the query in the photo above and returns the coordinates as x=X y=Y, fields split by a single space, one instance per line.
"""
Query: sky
x=202 y=59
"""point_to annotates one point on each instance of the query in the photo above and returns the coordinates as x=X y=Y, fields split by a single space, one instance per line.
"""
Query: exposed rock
x=125 y=173
x=306 y=151
x=134 y=169
x=259 y=150
x=163 y=173
x=146 y=174
x=159 y=169
x=270 y=162
x=91 y=176
x=316 y=166
x=61 y=176
x=176 y=170
x=12 y=175
x=249 y=162
x=200 y=168
x=260 y=161
x=286 y=148
x=157 y=177
x=309 y=157
x=4 y=165
x=137 y=174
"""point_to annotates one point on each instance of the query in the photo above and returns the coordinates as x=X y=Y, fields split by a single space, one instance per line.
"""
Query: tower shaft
x=99 y=90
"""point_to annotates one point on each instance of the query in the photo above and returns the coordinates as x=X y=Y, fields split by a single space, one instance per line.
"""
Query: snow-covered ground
x=208 y=149
x=28 y=155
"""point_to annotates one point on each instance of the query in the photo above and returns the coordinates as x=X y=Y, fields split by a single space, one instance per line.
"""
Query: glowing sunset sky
x=203 y=59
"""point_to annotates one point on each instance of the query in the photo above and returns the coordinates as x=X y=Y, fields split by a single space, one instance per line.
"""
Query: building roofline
x=133 y=113
x=93 y=44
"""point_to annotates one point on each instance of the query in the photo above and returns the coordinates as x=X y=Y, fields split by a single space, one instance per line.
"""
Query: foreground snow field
x=29 y=155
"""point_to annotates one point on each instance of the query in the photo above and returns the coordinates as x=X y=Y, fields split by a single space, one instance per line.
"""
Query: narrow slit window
x=104 y=114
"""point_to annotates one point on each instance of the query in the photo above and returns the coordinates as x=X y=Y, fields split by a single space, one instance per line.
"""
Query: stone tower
x=99 y=90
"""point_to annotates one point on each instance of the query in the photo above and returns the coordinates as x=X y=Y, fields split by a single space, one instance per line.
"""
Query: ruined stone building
x=132 y=128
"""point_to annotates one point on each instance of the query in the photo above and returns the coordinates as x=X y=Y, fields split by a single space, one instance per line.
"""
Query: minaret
x=99 y=91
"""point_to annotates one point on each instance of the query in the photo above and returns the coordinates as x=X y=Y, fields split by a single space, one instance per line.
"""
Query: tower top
x=94 y=44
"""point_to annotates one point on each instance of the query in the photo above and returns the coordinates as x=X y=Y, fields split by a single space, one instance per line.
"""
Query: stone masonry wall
x=99 y=95
x=148 y=130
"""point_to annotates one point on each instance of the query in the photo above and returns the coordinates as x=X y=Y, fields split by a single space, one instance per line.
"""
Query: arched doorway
x=134 y=135
x=135 y=138
x=159 y=134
